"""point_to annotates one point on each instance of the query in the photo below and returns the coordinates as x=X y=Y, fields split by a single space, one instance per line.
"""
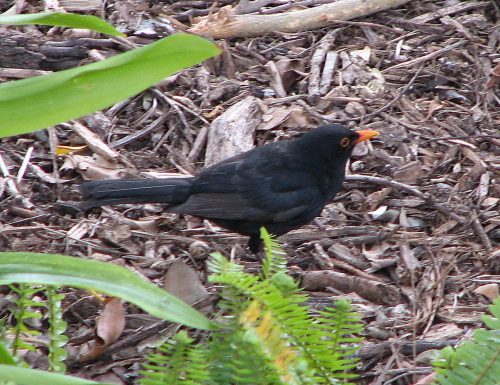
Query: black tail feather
x=171 y=191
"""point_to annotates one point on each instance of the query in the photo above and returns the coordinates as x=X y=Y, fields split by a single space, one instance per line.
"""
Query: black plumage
x=280 y=186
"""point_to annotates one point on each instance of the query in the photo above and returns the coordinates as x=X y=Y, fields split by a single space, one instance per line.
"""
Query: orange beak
x=365 y=135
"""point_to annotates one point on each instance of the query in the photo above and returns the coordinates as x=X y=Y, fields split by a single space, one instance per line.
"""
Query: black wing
x=259 y=187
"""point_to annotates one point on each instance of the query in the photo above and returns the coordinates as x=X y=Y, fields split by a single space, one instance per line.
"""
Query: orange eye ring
x=344 y=142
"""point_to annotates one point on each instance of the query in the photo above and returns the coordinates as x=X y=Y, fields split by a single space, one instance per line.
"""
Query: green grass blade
x=63 y=20
x=35 y=103
x=52 y=269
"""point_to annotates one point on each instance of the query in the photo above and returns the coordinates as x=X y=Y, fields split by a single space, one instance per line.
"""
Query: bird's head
x=335 y=140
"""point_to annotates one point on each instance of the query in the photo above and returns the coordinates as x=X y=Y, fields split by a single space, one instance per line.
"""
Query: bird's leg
x=255 y=244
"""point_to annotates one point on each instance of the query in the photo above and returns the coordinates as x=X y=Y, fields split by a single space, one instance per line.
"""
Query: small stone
x=355 y=109
x=199 y=250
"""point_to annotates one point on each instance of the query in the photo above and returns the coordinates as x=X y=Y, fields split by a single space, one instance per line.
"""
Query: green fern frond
x=57 y=339
x=178 y=362
x=325 y=355
x=267 y=336
x=274 y=261
x=219 y=264
x=238 y=358
x=476 y=362
x=23 y=311
x=338 y=325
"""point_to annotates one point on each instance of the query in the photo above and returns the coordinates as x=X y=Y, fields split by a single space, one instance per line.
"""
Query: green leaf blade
x=61 y=19
x=35 y=103
x=26 y=376
x=53 y=269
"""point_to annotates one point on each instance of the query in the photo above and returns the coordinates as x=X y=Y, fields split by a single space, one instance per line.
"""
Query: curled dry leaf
x=376 y=252
x=95 y=167
x=433 y=106
x=117 y=233
x=111 y=322
x=290 y=71
x=149 y=224
x=375 y=198
x=109 y=328
x=490 y=290
x=288 y=116
x=78 y=231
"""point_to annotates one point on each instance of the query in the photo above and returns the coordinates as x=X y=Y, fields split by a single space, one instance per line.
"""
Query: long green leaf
x=64 y=20
x=5 y=357
x=25 y=376
x=42 y=101
x=53 y=269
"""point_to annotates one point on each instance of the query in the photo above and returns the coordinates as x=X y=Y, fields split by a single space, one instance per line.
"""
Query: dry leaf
x=183 y=282
x=410 y=262
x=427 y=380
x=95 y=167
x=375 y=198
x=78 y=231
x=117 y=233
x=490 y=290
x=65 y=150
x=109 y=328
x=291 y=116
x=149 y=224
x=111 y=322
x=434 y=105
x=376 y=251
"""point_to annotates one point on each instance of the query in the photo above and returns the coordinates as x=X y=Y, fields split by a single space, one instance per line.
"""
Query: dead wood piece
x=232 y=132
x=98 y=146
x=405 y=347
x=427 y=57
x=151 y=127
x=445 y=11
x=81 y=5
x=316 y=63
x=25 y=51
x=298 y=236
x=372 y=291
x=343 y=254
x=29 y=215
x=20 y=73
x=479 y=230
x=12 y=186
x=225 y=24
x=246 y=6
x=276 y=80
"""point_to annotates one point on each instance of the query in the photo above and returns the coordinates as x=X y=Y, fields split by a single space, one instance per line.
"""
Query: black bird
x=281 y=186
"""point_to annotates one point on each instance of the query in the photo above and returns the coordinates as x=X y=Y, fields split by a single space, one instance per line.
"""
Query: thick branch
x=225 y=24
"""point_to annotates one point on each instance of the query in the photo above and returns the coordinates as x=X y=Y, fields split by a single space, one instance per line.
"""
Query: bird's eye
x=345 y=142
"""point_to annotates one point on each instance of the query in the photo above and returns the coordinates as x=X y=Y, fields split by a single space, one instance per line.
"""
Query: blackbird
x=281 y=186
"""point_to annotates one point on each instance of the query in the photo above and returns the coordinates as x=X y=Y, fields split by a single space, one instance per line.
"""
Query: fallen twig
x=226 y=24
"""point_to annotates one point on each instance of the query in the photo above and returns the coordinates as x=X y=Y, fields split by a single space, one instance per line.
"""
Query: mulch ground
x=412 y=240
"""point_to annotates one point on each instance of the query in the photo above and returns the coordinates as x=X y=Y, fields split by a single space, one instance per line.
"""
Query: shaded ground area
x=413 y=237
